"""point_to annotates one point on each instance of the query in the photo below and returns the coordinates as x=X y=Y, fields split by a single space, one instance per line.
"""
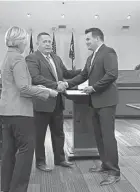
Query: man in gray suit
x=47 y=69
x=101 y=70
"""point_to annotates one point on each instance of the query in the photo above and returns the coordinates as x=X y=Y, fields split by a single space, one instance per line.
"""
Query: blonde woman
x=16 y=109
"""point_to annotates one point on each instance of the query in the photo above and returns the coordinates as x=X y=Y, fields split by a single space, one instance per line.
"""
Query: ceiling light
x=28 y=14
x=129 y=16
x=96 y=16
x=62 y=16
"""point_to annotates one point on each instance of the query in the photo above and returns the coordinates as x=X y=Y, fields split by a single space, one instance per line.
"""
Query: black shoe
x=64 y=164
x=43 y=167
x=97 y=170
x=110 y=180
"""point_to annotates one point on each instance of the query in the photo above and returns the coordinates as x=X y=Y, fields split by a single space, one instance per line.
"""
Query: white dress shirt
x=52 y=65
x=95 y=54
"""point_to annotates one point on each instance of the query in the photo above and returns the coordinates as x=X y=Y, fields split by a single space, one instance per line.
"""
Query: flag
x=71 y=51
x=54 y=44
x=31 y=44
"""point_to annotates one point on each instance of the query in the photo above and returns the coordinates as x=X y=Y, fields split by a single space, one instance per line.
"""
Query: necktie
x=92 y=59
x=52 y=65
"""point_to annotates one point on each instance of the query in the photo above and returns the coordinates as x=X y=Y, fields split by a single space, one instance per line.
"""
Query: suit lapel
x=97 y=55
x=93 y=63
x=42 y=58
x=58 y=70
x=55 y=61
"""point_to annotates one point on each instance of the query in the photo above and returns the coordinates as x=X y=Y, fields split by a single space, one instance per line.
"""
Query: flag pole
x=73 y=50
x=72 y=65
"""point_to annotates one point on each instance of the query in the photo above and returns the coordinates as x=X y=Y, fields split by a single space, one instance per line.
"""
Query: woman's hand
x=53 y=93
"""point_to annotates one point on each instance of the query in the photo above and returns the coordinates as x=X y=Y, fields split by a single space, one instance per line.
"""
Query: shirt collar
x=44 y=54
x=98 y=48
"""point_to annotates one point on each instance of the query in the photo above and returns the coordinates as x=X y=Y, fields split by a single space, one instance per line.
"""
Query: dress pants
x=104 y=128
x=55 y=121
x=18 y=148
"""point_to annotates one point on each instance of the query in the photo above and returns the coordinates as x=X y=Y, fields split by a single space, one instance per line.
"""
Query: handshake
x=62 y=86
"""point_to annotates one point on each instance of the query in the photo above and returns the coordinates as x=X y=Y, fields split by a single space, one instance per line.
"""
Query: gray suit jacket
x=42 y=74
x=102 y=76
x=17 y=90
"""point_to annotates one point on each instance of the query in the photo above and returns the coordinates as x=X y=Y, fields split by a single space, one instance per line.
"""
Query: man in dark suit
x=47 y=69
x=101 y=70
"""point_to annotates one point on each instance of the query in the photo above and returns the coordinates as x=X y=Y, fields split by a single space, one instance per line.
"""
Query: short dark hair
x=43 y=33
x=96 y=32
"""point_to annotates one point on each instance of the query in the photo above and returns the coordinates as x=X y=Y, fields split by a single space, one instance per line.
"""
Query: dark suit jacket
x=42 y=74
x=102 y=76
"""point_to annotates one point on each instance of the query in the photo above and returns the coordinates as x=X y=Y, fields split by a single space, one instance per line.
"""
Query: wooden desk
x=84 y=144
x=128 y=97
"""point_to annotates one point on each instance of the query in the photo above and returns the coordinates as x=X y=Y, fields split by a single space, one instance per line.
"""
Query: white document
x=134 y=105
x=83 y=85
x=75 y=92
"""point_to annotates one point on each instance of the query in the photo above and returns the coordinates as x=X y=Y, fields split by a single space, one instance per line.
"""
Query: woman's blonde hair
x=14 y=36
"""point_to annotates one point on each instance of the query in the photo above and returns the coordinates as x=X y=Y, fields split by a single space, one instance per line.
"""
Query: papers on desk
x=134 y=105
x=83 y=85
x=75 y=92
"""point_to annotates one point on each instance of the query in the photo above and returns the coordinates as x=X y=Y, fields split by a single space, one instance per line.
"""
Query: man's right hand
x=62 y=86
